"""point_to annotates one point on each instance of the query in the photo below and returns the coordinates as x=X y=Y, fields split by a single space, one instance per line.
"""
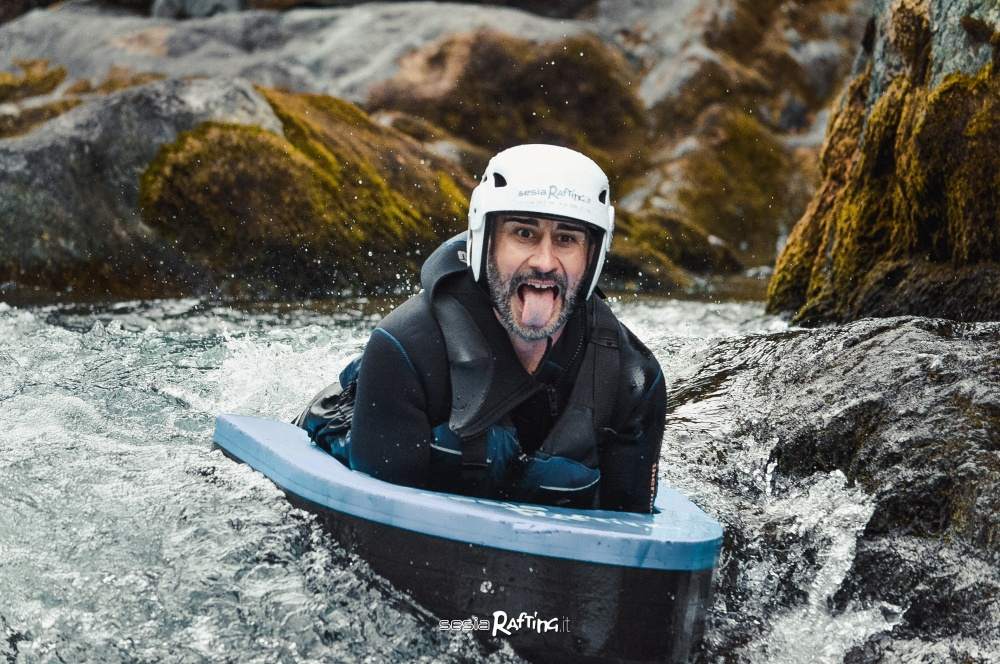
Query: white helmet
x=545 y=180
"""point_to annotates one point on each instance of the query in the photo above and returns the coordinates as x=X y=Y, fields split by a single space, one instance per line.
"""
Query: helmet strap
x=484 y=255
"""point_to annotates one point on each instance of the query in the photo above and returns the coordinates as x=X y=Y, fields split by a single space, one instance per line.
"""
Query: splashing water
x=124 y=536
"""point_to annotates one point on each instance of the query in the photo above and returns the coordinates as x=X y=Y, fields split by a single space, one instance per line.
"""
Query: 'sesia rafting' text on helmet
x=547 y=180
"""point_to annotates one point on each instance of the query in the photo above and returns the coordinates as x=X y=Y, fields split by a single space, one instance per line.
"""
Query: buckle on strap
x=474 y=452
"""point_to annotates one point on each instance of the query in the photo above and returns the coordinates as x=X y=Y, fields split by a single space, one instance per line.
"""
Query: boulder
x=16 y=120
x=471 y=158
x=202 y=8
x=659 y=252
x=666 y=65
x=496 y=90
x=904 y=221
x=339 y=203
x=740 y=183
x=69 y=195
x=11 y=9
x=736 y=91
x=209 y=186
x=337 y=51
x=36 y=78
x=855 y=470
x=30 y=100
x=194 y=8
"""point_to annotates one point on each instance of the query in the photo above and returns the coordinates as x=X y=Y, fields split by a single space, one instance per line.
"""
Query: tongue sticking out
x=538 y=305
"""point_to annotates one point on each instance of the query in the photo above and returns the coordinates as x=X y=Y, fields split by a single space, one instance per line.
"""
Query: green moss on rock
x=656 y=251
x=37 y=78
x=903 y=226
x=339 y=201
x=739 y=185
x=495 y=91
x=27 y=119
x=117 y=78
x=472 y=158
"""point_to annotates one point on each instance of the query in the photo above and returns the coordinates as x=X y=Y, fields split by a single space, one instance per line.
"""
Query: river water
x=125 y=537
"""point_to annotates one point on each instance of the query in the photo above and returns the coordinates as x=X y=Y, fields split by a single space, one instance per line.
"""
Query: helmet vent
x=499 y=180
x=603 y=197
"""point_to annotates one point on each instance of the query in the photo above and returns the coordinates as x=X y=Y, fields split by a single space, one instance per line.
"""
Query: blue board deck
x=679 y=537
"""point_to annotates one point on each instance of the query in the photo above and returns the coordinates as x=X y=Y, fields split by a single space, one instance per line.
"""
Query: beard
x=503 y=293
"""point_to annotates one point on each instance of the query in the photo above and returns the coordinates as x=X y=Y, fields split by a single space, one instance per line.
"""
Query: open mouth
x=537 y=289
x=539 y=301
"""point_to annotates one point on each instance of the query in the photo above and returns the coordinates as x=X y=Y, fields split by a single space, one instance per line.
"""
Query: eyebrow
x=560 y=225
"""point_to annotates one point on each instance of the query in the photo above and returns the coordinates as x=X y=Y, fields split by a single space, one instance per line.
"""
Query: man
x=507 y=377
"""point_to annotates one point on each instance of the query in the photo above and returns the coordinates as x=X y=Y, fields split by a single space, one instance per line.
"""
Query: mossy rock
x=561 y=9
x=37 y=78
x=471 y=158
x=496 y=91
x=338 y=203
x=753 y=66
x=117 y=78
x=28 y=118
x=908 y=209
x=741 y=185
x=656 y=251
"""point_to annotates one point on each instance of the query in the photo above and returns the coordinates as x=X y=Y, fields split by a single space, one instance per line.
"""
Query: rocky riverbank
x=857 y=475
x=706 y=179
x=905 y=221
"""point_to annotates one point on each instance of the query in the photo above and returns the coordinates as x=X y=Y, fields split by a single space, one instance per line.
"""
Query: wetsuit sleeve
x=390 y=431
x=630 y=457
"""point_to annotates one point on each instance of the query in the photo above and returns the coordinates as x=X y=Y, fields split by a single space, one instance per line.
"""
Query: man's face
x=534 y=272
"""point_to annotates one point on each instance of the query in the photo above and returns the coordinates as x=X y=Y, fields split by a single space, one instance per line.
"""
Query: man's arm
x=629 y=458
x=390 y=431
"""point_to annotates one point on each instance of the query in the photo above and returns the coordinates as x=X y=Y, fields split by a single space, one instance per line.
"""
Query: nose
x=544 y=258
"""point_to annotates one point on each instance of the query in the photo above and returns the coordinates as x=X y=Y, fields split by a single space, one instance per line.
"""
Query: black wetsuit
x=404 y=399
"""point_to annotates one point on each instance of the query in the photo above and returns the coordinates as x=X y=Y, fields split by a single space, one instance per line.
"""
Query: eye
x=523 y=232
x=567 y=238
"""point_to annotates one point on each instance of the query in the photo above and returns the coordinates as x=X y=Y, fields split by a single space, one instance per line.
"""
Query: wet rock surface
x=497 y=90
x=336 y=51
x=904 y=221
x=775 y=66
x=180 y=186
x=69 y=195
x=732 y=83
x=858 y=479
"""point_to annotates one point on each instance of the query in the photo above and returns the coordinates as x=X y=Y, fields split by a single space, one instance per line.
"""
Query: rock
x=740 y=53
x=340 y=203
x=740 y=184
x=209 y=186
x=195 y=8
x=31 y=99
x=471 y=158
x=656 y=251
x=16 y=120
x=905 y=218
x=496 y=90
x=201 y=8
x=731 y=85
x=659 y=252
x=181 y=9
x=69 y=195
x=406 y=57
x=855 y=470
x=37 y=79
x=339 y=51
x=11 y=9
x=117 y=78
